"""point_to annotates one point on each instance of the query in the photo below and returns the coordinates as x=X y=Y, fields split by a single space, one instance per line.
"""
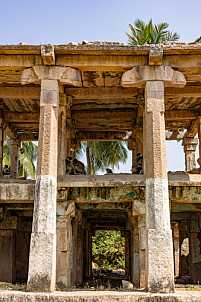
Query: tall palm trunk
x=88 y=161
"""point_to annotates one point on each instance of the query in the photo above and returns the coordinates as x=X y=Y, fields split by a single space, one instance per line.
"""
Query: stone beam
x=174 y=135
x=47 y=54
x=155 y=54
x=42 y=261
x=22 y=117
x=175 y=115
x=193 y=129
x=101 y=136
x=20 y=92
x=28 y=136
x=9 y=130
x=101 y=92
x=187 y=91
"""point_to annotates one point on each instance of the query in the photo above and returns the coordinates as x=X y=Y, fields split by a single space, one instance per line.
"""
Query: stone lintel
x=139 y=75
x=155 y=54
x=47 y=54
x=175 y=135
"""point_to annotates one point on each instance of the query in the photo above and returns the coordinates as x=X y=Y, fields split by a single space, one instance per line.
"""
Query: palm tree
x=27 y=158
x=142 y=33
x=101 y=155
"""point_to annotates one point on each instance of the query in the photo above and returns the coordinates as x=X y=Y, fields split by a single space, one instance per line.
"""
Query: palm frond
x=142 y=33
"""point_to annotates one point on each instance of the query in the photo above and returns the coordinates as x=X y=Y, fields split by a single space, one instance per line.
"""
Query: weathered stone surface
x=65 y=75
x=159 y=260
x=98 y=296
x=42 y=261
x=137 y=76
x=47 y=54
x=155 y=54
x=190 y=145
x=14 y=145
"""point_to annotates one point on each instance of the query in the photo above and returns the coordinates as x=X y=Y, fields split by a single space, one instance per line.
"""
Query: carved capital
x=139 y=75
x=65 y=75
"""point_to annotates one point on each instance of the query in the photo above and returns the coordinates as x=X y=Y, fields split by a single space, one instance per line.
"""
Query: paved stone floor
x=181 y=295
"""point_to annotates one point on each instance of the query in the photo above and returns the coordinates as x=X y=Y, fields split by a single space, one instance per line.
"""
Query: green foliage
x=27 y=158
x=142 y=33
x=108 y=249
x=101 y=155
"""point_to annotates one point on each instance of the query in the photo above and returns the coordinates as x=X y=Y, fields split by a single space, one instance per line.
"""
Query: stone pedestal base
x=160 y=261
x=42 y=268
x=42 y=259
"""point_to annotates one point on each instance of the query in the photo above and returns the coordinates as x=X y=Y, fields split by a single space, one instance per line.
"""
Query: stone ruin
x=64 y=94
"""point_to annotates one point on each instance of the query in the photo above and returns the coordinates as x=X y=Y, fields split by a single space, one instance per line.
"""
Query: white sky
x=64 y=21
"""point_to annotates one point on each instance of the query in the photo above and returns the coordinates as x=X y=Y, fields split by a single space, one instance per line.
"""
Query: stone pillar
x=176 y=248
x=68 y=126
x=135 y=250
x=14 y=145
x=159 y=260
x=61 y=170
x=142 y=250
x=199 y=138
x=159 y=248
x=190 y=145
x=195 y=251
x=184 y=262
x=136 y=143
x=1 y=141
x=42 y=260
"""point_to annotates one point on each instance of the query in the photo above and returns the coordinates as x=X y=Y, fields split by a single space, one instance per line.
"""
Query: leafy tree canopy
x=142 y=33
x=27 y=158
x=108 y=249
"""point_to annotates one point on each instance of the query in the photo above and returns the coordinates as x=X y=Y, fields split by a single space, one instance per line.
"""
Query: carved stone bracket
x=139 y=75
x=65 y=75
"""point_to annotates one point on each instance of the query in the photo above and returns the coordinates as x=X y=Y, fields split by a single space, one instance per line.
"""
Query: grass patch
x=10 y=286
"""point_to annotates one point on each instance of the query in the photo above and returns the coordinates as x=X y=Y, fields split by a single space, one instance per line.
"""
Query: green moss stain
x=89 y=197
x=127 y=195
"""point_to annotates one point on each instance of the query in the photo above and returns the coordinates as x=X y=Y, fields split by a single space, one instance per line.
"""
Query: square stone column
x=190 y=145
x=159 y=248
x=199 y=138
x=142 y=250
x=14 y=145
x=175 y=229
x=1 y=141
x=61 y=170
x=42 y=259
